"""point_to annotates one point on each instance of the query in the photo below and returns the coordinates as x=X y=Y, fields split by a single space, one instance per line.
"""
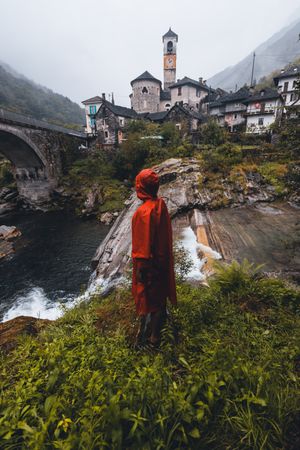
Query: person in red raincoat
x=153 y=279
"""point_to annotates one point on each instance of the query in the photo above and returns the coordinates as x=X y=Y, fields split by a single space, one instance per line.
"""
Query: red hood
x=146 y=185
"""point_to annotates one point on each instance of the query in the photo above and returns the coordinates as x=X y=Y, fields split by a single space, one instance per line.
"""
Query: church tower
x=170 y=40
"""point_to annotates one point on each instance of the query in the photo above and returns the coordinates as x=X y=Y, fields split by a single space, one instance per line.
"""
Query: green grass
x=226 y=377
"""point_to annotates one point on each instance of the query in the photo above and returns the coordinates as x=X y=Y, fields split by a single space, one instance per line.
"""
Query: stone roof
x=165 y=94
x=146 y=76
x=162 y=115
x=240 y=95
x=121 y=110
x=95 y=99
x=170 y=34
x=291 y=71
x=157 y=116
x=216 y=103
x=189 y=81
x=263 y=94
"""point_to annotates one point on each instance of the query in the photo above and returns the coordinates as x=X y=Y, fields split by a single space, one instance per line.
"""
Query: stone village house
x=111 y=121
x=263 y=108
x=150 y=101
x=286 y=84
x=189 y=101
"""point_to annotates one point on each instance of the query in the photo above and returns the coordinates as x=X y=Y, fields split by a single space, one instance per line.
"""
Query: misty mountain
x=19 y=94
x=278 y=51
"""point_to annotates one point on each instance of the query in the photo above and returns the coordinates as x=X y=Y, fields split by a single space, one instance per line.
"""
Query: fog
x=83 y=48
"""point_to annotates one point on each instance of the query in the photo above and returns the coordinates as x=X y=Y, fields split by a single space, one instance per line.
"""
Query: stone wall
x=188 y=96
x=109 y=127
x=147 y=101
x=37 y=159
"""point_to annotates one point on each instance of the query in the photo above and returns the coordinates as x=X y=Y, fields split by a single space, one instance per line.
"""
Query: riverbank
x=52 y=263
x=226 y=376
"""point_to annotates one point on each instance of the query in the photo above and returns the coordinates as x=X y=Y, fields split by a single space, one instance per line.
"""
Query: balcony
x=260 y=111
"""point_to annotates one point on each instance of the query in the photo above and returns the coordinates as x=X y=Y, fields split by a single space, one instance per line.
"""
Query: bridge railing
x=8 y=116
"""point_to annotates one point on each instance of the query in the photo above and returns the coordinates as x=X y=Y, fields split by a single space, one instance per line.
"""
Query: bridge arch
x=29 y=163
x=16 y=146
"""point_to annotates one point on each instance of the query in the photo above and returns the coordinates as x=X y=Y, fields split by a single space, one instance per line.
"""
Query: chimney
x=112 y=98
x=200 y=80
x=103 y=96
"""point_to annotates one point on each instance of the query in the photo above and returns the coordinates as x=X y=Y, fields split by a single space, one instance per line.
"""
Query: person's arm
x=143 y=272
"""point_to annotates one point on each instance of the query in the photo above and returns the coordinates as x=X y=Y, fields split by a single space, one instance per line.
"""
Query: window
x=178 y=126
x=179 y=91
x=198 y=93
x=92 y=122
x=170 y=47
x=197 y=105
x=145 y=90
x=261 y=121
x=92 y=109
x=286 y=86
x=121 y=121
x=284 y=97
x=292 y=97
x=106 y=134
x=294 y=84
x=167 y=106
x=235 y=116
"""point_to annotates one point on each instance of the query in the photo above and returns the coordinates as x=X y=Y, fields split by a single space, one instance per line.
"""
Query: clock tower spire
x=170 y=40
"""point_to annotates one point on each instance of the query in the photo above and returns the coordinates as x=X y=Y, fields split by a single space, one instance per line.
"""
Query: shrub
x=6 y=174
x=212 y=133
x=221 y=158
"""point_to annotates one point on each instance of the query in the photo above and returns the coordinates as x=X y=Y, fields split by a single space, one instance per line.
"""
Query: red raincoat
x=152 y=248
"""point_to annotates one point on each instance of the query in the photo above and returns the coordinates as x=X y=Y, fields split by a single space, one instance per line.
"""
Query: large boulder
x=182 y=190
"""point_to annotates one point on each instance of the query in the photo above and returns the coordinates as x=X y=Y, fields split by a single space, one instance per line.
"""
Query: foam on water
x=189 y=242
x=35 y=304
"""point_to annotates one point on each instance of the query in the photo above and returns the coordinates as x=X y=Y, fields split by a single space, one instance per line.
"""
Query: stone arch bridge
x=37 y=150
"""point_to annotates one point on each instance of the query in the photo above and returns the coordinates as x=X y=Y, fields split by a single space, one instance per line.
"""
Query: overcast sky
x=81 y=48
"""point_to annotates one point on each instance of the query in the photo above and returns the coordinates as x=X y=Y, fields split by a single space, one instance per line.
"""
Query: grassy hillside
x=23 y=96
x=226 y=377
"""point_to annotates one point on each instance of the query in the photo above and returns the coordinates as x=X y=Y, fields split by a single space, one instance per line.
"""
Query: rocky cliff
x=182 y=187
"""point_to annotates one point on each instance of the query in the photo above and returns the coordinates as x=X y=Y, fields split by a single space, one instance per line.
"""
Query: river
x=52 y=263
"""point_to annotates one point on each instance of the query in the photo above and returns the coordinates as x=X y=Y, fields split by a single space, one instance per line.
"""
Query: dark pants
x=150 y=327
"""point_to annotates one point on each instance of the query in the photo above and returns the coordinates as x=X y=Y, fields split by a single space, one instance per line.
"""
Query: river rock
x=107 y=218
x=182 y=191
x=11 y=330
x=7 y=235
x=5 y=208
x=3 y=192
x=10 y=196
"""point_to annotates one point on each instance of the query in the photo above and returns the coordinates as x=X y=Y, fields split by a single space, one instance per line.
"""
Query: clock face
x=169 y=61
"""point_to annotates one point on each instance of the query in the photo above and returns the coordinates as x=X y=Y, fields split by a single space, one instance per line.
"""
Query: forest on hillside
x=20 y=95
